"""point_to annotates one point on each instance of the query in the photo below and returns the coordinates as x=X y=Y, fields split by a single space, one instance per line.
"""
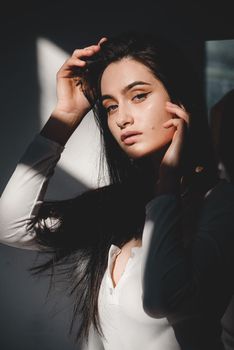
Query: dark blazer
x=192 y=287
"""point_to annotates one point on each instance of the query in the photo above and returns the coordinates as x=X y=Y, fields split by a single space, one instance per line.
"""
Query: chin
x=142 y=152
x=136 y=154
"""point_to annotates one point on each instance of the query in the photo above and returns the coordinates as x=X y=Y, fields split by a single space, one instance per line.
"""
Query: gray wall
x=26 y=321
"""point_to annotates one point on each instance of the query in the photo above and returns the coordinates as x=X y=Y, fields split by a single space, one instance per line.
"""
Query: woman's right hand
x=71 y=101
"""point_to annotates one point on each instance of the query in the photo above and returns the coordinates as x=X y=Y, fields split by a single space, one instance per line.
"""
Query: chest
x=119 y=266
x=124 y=321
x=121 y=260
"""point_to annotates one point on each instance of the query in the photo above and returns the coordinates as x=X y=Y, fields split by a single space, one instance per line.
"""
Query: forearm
x=24 y=193
x=165 y=265
x=60 y=126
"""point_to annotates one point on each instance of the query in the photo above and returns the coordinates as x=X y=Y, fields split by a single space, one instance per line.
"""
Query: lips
x=129 y=134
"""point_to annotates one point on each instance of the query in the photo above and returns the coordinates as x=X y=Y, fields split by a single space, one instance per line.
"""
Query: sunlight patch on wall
x=81 y=156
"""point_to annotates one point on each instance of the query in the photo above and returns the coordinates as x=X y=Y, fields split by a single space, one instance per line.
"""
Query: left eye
x=140 y=97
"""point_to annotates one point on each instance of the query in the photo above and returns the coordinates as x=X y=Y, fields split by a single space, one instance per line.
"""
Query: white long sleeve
x=25 y=191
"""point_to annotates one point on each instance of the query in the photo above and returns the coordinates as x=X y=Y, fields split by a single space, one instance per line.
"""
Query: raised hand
x=170 y=167
x=72 y=105
x=71 y=100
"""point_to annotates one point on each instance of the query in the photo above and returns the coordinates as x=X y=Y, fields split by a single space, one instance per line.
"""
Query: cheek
x=156 y=132
x=112 y=128
x=155 y=115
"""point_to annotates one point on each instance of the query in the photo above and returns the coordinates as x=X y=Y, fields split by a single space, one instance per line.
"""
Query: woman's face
x=135 y=102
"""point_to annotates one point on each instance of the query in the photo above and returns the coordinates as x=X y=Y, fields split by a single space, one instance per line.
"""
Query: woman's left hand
x=169 y=173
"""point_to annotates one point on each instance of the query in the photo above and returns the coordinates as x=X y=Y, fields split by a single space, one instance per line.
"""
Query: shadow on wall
x=26 y=322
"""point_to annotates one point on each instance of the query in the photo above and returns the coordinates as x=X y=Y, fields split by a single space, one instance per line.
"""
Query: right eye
x=111 y=108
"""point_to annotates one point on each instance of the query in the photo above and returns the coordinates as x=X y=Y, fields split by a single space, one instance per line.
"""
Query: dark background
x=26 y=321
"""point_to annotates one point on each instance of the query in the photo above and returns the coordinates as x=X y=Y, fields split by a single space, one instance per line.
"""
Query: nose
x=124 y=119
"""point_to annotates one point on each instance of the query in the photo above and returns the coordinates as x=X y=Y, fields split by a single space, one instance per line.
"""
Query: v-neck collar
x=113 y=252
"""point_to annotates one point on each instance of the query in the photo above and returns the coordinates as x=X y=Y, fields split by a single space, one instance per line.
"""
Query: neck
x=161 y=185
x=148 y=168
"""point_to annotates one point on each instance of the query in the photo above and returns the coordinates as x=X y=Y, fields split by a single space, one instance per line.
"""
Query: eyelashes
x=141 y=96
x=110 y=108
x=136 y=98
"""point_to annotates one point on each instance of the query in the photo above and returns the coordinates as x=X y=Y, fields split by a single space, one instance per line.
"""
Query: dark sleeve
x=228 y=326
x=174 y=277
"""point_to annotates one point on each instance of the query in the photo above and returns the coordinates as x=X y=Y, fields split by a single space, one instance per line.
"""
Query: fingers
x=89 y=50
x=179 y=111
x=78 y=54
x=68 y=69
x=77 y=60
x=179 y=124
x=181 y=121
x=102 y=40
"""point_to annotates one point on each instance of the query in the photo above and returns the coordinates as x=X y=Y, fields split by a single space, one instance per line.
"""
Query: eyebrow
x=125 y=89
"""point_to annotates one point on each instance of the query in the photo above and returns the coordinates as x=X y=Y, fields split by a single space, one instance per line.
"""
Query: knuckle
x=58 y=73
x=58 y=76
x=76 y=52
x=91 y=47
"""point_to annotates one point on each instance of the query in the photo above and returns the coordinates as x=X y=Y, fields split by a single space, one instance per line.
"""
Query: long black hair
x=87 y=225
x=170 y=65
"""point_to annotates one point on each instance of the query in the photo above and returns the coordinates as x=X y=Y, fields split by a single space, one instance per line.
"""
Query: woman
x=149 y=256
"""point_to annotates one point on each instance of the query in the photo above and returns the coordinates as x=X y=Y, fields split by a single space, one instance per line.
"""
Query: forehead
x=122 y=73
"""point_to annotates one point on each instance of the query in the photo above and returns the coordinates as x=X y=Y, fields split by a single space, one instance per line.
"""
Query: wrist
x=168 y=182
x=58 y=129
x=67 y=117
